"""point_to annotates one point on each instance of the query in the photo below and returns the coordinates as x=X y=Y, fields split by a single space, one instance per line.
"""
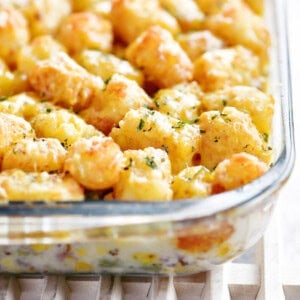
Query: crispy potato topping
x=145 y=100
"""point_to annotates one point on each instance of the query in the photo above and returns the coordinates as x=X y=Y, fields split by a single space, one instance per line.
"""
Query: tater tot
x=182 y=101
x=16 y=105
x=238 y=25
x=238 y=170
x=63 y=125
x=44 y=16
x=102 y=8
x=85 y=30
x=119 y=96
x=196 y=43
x=256 y=5
x=131 y=17
x=211 y=7
x=217 y=69
x=41 y=48
x=192 y=182
x=228 y=132
x=95 y=163
x=143 y=127
x=14 y=34
x=160 y=57
x=259 y=105
x=35 y=155
x=36 y=186
x=80 y=5
x=99 y=7
x=13 y=129
x=186 y=12
x=11 y=82
x=61 y=80
x=146 y=176
x=25 y=105
x=106 y=65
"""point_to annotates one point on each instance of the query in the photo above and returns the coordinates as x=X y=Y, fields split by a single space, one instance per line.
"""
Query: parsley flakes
x=141 y=125
x=150 y=162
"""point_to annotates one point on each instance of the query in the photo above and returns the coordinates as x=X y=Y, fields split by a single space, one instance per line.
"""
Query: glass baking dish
x=179 y=237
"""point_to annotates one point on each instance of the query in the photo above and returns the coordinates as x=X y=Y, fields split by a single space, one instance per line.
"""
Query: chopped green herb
x=223 y=115
x=156 y=103
x=269 y=148
x=149 y=112
x=201 y=171
x=227 y=120
x=150 y=162
x=3 y=98
x=265 y=137
x=141 y=125
x=224 y=102
x=193 y=121
x=48 y=110
x=214 y=116
x=179 y=124
x=107 y=80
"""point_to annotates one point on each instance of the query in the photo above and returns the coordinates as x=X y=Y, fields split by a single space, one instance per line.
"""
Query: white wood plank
x=106 y=283
x=163 y=289
x=50 y=287
x=268 y=258
x=171 y=292
x=216 y=287
x=62 y=291
x=83 y=288
x=243 y=281
x=153 y=291
x=116 y=291
x=243 y=274
x=31 y=288
x=4 y=280
x=13 y=290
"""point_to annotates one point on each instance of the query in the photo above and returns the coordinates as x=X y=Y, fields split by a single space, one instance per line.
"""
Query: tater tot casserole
x=140 y=101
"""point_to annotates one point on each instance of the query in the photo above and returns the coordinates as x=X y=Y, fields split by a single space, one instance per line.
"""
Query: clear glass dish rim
x=146 y=212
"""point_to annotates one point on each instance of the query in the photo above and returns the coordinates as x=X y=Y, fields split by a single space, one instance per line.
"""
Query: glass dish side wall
x=180 y=248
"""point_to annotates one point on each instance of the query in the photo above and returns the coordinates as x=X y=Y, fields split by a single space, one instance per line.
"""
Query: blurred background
x=289 y=204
